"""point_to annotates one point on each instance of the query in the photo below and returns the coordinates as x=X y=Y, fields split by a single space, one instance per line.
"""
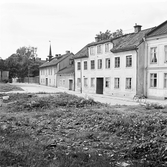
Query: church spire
x=50 y=52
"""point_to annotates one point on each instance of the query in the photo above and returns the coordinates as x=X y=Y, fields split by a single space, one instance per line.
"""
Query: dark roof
x=82 y=53
x=55 y=61
x=67 y=70
x=159 y=30
x=129 y=41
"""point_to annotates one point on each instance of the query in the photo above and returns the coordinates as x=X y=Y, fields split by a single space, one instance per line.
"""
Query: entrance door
x=99 y=86
x=46 y=81
x=70 y=84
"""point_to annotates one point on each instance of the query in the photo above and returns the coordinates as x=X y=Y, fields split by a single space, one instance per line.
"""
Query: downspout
x=81 y=75
x=137 y=65
x=146 y=68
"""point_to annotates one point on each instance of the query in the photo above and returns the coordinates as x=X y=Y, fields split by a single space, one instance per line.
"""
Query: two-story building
x=112 y=67
x=156 y=62
x=49 y=70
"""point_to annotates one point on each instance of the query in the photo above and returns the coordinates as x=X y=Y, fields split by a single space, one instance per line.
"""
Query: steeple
x=50 y=52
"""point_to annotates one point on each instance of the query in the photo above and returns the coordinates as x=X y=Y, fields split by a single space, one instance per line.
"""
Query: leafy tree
x=2 y=65
x=108 y=34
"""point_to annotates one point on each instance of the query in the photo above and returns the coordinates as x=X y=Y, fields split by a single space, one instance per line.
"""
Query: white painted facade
x=109 y=75
x=157 y=71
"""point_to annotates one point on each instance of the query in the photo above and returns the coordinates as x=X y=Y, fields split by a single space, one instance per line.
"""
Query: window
x=107 y=47
x=165 y=80
x=85 y=65
x=99 y=49
x=153 y=80
x=116 y=83
x=107 y=63
x=64 y=81
x=78 y=82
x=165 y=50
x=117 y=62
x=153 y=55
x=92 y=64
x=85 y=82
x=128 y=61
x=107 y=82
x=92 y=50
x=79 y=66
x=99 y=65
x=128 y=83
x=92 y=82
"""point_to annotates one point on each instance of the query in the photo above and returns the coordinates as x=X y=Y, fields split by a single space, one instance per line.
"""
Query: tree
x=108 y=34
x=2 y=65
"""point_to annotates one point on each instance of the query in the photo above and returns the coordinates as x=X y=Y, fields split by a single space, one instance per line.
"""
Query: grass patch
x=64 y=130
x=5 y=87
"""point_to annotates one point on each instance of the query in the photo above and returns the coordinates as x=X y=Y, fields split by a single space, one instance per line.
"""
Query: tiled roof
x=82 y=53
x=55 y=61
x=129 y=41
x=159 y=30
x=67 y=70
x=100 y=42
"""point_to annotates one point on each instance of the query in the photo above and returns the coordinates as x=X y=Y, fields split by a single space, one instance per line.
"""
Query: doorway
x=70 y=84
x=99 y=85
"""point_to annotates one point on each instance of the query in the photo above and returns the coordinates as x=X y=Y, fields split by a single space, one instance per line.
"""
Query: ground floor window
x=153 y=80
x=78 y=82
x=116 y=83
x=92 y=82
x=64 y=81
x=85 y=82
x=128 y=83
x=107 y=82
x=165 y=80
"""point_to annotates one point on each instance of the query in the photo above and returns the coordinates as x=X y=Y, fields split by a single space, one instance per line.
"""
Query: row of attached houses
x=131 y=64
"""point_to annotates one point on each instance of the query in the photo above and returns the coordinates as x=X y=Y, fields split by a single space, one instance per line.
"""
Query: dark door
x=46 y=81
x=99 y=86
x=70 y=84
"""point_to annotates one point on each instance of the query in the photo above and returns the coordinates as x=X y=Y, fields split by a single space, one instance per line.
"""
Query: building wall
x=0 y=76
x=65 y=62
x=123 y=72
x=63 y=81
x=159 y=68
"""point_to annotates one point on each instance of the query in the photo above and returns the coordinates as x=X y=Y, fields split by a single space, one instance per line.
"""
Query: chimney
x=96 y=39
x=67 y=51
x=137 y=28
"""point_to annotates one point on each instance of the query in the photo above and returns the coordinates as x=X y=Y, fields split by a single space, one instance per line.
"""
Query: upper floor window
x=153 y=80
x=99 y=49
x=92 y=50
x=79 y=66
x=165 y=50
x=107 y=62
x=85 y=65
x=107 y=47
x=99 y=65
x=128 y=83
x=117 y=62
x=92 y=64
x=153 y=55
x=165 y=80
x=116 y=83
x=128 y=61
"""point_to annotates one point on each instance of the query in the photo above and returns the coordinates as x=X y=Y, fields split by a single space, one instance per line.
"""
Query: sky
x=70 y=24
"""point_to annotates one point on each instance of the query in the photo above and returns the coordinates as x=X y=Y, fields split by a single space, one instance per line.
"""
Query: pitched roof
x=82 y=53
x=159 y=30
x=67 y=70
x=100 y=42
x=129 y=41
x=55 y=61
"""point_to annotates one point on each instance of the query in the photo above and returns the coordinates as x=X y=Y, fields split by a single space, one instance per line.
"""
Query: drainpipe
x=81 y=75
x=137 y=62
x=146 y=69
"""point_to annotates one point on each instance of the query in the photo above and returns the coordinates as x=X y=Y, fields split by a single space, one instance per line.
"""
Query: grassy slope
x=67 y=131
x=4 y=87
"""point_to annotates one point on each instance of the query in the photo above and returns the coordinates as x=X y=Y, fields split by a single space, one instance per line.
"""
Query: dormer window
x=92 y=50
x=99 y=49
x=107 y=47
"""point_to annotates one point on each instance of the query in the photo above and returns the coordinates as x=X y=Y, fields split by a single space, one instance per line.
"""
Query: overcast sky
x=70 y=24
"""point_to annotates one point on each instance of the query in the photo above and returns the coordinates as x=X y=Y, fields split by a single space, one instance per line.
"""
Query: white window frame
x=107 y=82
x=78 y=82
x=92 y=50
x=153 y=55
x=165 y=53
x=153 y=80
x=78 y=65
x=107 y=47
x=92 y=65
x=108 y=63
x=117 y=63
x=116 y=83
x=99 y=49
x=85 y=65
x=85 y=82
x=92 y=82
x=99 y=64
x=129 y=61
x=128 y=83
x=165 y=80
